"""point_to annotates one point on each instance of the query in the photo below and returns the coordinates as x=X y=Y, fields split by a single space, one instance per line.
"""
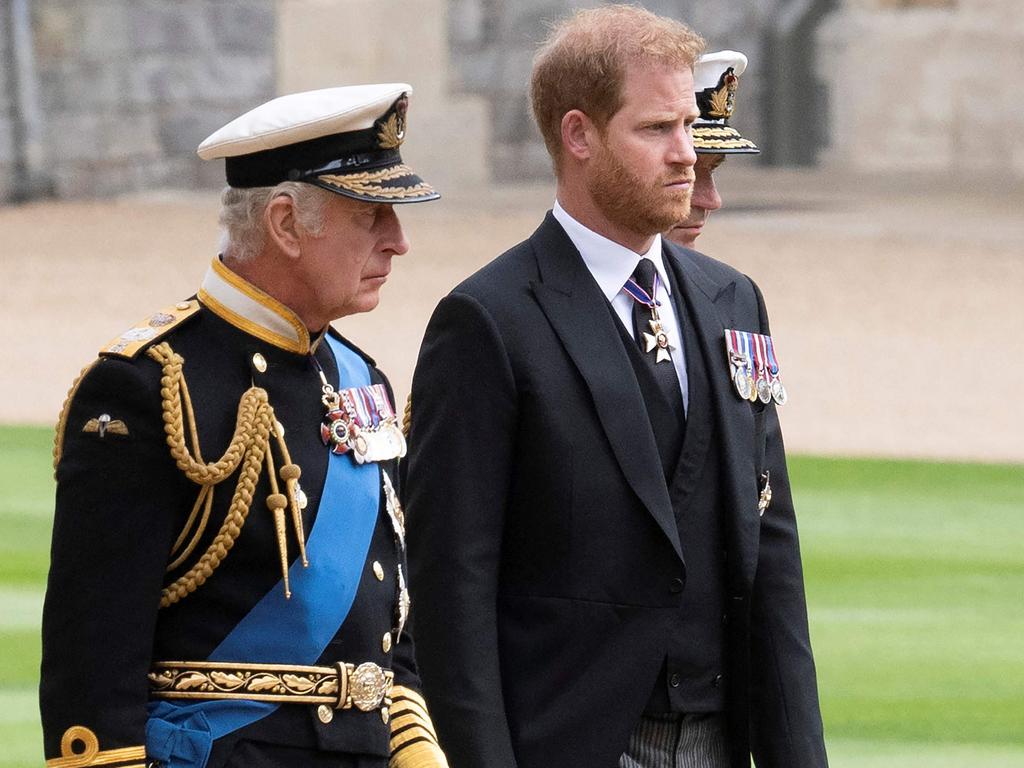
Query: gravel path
x=898 y=312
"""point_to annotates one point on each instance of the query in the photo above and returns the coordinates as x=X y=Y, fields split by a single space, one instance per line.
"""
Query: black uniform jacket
x=122 y=502
x=545 y=556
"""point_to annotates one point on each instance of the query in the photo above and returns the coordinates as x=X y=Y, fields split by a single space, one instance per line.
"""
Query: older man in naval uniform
x=716 y=78
x=603 y=548
x=228 y=582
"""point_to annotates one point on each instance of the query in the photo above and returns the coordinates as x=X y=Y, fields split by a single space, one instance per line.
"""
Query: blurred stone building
x=100 y=97
x=105 y=96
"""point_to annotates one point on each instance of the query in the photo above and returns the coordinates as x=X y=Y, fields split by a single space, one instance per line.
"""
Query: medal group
x=361 y=420
x=754 y=367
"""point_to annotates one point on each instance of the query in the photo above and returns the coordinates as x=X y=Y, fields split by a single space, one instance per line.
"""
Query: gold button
x=182 y=305
x=278 y=427
x=260 y=362
x=385 y=715
x=386 y=642
x=325 y=713
x=378 y=570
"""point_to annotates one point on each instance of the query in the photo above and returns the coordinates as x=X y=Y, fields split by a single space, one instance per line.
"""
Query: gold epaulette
x=141 y=335
x=413 y=739
x=79 y=748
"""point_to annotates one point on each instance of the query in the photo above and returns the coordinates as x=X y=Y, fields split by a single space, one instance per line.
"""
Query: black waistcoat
x=691 y=679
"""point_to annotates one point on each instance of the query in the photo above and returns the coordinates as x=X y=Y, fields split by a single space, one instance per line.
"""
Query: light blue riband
x=287 y=631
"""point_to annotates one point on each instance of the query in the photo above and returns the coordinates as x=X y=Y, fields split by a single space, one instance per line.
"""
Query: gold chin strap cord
x=250 y=448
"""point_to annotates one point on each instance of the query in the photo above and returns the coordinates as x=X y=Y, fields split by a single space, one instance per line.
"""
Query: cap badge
x=723 y=99
x=392 y=131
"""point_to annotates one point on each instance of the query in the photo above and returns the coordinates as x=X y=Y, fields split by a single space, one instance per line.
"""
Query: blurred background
x=884 y=221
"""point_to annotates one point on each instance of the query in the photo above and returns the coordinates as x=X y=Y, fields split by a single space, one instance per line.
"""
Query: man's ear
x=282 y=225
x=578 y=134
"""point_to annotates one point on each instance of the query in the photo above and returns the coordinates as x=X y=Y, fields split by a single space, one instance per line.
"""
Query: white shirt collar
x=611 y=264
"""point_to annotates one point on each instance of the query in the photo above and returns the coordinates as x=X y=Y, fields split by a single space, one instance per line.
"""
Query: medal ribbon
x=773 y=361
x=747 y=349
x=368 y=406
x=632 y=287
x=760 y=356
x=279 y=630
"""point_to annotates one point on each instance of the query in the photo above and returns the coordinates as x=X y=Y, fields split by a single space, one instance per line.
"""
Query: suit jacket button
x=325 y=713
x=676 y=586
x=717 y=681
x=675 y=680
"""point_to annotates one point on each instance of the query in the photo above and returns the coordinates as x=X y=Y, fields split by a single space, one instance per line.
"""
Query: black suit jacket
x=545 y=556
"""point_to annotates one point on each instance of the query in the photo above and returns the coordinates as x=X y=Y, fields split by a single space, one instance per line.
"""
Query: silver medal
x=742 y=382
x=779 y=394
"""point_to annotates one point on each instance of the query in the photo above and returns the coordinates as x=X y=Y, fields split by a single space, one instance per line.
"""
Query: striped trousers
x=677 y=741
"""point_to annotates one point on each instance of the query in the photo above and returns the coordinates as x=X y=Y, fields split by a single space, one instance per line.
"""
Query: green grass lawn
x=915 y=577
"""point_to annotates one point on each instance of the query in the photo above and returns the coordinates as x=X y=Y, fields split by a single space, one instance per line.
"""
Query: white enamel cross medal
x=657 y=339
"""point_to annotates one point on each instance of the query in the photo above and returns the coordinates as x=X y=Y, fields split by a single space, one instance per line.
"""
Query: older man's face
x=705 y=200
x=344 y=267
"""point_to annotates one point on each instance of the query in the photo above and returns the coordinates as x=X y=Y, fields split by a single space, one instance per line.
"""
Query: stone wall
x=324 y=43
x=927 y=87
x=6 y=106
x=493 y=44
x=128 y=88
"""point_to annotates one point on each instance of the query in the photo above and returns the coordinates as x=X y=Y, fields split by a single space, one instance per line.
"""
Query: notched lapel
x=579 y=313
x=713 y=309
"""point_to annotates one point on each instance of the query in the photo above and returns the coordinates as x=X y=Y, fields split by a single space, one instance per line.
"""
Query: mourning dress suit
x=567 y=575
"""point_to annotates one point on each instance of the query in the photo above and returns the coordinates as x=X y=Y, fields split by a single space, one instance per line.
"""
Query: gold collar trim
x=247 y=307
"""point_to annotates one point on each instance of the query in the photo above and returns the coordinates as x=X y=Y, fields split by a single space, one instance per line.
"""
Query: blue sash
x=279 y=630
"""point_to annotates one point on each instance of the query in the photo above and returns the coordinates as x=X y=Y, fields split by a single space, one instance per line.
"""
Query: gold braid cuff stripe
x=418 y=754
x=91 y=754
x=413 y=741
x=366 y=687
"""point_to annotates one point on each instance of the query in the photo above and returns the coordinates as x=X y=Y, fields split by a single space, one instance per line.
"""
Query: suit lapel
x=712 y=306
x=699 y=422
x=579 y=313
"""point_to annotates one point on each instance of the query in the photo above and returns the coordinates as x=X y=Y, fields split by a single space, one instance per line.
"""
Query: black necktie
x=665 y=371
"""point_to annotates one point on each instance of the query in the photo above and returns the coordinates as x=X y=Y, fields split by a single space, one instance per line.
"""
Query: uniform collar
x=611 y=264
x=249 y=309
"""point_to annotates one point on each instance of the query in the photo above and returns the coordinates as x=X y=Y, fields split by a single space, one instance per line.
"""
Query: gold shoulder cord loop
x=249 y=449
x=407 y=416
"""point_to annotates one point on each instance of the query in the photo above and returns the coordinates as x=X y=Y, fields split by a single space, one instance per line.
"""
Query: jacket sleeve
x=459 y=470
x=112 y=531
x=786 y=727
x=413 y=738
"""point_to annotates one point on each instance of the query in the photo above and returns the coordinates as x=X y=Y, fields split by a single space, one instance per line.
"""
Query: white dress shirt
x=612 y=265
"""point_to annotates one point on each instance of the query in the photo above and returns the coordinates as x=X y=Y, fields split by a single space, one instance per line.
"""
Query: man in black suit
x=603 y=546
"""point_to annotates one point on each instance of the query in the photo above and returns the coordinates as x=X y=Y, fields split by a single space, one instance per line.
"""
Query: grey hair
x=241 y=214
